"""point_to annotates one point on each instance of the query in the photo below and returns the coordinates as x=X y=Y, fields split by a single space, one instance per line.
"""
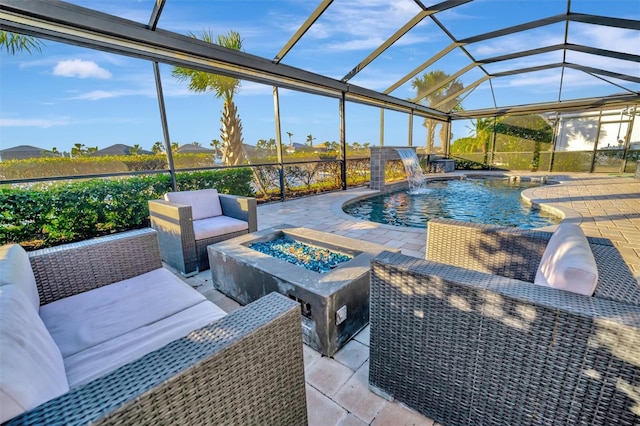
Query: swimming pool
x=488 y=200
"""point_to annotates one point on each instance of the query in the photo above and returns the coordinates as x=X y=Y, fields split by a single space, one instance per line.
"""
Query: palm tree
x=290 y=134
x=483 y=129
x=196 y=144
x=15 y=43
x=223 y=87
x=425 y=85
x=78 y=150
x=216 y=144
x=174 y=146
x=135 y=149
x=157 y=147
x=310 y=140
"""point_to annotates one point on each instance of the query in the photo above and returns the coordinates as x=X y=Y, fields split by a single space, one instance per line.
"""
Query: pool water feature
x=487 y=200
x=415 y=176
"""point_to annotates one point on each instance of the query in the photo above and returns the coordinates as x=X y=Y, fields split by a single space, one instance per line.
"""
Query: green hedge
x=62 y=213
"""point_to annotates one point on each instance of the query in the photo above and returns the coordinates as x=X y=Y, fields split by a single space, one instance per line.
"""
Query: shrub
x=57 y=214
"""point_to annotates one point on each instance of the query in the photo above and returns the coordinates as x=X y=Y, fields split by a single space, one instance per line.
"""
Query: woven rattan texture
x=175 y=233
x=201 y=247
x=245 y=369
x=174 y=224
x=69 y=269
x=516 y=253
x=470 y=348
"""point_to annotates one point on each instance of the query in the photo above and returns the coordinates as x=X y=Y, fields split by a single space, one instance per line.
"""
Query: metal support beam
x=628 y=24
x=343 y=142
x=411 y=129
x=515 y=29
x=68 y=23
x=448 y=4
x=422 y=67
x=302 y=30
x=444 y=82
x=591 y=70
x=573 y=105
x=155 y=14
x=381 y=127
x=276 y=113
x=165 y=126
x=460 y=92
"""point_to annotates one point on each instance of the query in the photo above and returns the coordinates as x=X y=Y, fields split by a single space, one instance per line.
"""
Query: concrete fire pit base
x=334 y=305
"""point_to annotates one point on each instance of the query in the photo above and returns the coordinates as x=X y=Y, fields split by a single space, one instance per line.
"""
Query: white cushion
x=204 y=202
x=101 y=359
x=215 y=226
x=87 y=319
x=567 y=262
x=31 y=367
x=15 y=268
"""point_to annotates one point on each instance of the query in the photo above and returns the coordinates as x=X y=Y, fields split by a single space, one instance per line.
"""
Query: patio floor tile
x=396 y=414
x=356 y=397
x=321 y=410
x=363 y=336
x=310 y=356
x=328 y=375
x=352 y=420
x=353 y=355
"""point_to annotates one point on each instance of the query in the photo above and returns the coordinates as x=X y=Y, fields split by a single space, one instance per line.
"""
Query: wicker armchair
x=245 y=368
x=465 y=338
x=178 y=244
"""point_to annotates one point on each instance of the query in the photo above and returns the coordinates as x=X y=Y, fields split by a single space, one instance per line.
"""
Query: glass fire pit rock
x=334 y=304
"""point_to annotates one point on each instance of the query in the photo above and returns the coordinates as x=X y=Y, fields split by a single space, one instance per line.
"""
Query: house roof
x=117 y=149
x=21 y=148
x=190 y=148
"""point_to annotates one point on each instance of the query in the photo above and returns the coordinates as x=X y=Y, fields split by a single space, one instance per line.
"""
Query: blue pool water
x=493 y=201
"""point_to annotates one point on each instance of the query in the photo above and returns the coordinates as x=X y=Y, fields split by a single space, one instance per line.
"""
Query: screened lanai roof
x=503 y=56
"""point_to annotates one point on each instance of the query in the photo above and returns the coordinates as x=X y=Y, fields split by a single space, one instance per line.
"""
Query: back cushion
x=567 y=262
x=204 y=202
x=31 y=367
x=15 y=268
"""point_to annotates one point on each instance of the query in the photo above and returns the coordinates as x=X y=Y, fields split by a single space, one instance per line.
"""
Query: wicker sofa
x=243 y=368
x=465 y=338
x=189 y=221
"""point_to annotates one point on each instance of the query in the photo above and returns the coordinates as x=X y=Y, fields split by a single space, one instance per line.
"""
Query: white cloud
x=81 y=69
x=370 y=22
x=33 y=122
x=617 y=39
x=96 y=95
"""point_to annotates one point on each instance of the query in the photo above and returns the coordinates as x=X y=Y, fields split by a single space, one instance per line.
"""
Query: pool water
x=487 y=200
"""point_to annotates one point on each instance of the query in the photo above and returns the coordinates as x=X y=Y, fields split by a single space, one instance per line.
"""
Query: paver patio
x=337 y=393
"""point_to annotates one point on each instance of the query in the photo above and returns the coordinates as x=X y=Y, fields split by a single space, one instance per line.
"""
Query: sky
x=65 y=94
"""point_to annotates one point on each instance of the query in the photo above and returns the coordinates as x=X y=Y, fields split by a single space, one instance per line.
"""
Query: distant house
x=190 y=148
x=117 y=149
x=22 y=152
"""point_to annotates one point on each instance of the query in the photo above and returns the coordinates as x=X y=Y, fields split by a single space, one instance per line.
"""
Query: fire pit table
x=334 y=304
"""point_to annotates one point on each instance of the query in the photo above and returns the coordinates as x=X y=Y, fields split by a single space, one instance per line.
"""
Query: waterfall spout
x=416 y=178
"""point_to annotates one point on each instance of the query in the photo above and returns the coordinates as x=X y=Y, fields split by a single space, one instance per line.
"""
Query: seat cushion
x=31 y=367
x=101 y=359
x=204 y=202
x=87 y=319
x=216 y=226
x=15 y=268
x=567 y=262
